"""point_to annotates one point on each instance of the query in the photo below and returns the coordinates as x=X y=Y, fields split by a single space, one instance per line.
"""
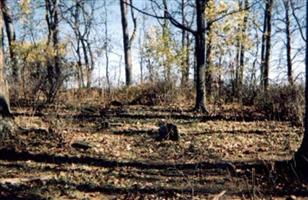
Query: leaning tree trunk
x=4 y=95
x=200 y=56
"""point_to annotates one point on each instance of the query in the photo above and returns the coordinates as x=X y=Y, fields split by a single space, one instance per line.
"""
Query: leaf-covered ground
x=235 y=153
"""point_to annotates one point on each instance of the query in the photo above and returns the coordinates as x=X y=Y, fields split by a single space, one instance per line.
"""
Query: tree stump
x=168 y=131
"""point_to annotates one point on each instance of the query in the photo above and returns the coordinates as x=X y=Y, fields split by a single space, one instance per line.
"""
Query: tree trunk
x=79 y=67
x=141 y=61
x=266 y=44
x=209 y=70
x=187 y=57
x=78 y=52
x=126 y=42
x=302 y=153
x=185 y=49
x=54 y=70
x=10 y=31
x=200 y=56
x=262 y=53
x=81 y=25
x=87 y=63
x=107 y=47
x=241 y=56
x=288 y=42
x=2 y=81
x=165 y=39
x=4 y=93
x=236 y=71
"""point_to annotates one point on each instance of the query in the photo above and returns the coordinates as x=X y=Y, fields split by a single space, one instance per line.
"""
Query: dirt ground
x=97 y=152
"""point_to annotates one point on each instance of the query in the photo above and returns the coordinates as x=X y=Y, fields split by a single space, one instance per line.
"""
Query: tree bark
x=10 y=31
x=107 y=47
x=241 y=56
x=185 y=48
x=78 y=52
x=127 y=41
x=187 y=58
x=200 y=56
x=302 y=153
x=266 y=44
x=288 y=41
x=209 y=70
x=165 y=38
x=2 y=81
x=4 y=93
x=54 y=70
x=86 y=62
x=141 y=61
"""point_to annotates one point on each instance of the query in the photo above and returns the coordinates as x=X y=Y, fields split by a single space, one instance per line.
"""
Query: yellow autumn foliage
x=39 y=52
x=25 y=6
x=162 y=49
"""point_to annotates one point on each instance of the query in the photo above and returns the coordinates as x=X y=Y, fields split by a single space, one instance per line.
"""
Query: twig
x=217 y=197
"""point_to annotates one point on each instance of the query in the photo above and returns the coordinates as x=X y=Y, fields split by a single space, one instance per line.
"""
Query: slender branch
x=297 y=21
x=174 y=21
x=158 y=20
x=145 y=13
x=230 y=13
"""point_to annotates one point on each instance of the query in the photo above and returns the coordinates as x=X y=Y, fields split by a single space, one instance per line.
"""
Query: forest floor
x=90 y=152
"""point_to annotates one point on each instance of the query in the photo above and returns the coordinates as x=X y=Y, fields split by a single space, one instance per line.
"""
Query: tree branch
x=134 y=22
x=297 y=21
x=231 y=13
x=168 y=16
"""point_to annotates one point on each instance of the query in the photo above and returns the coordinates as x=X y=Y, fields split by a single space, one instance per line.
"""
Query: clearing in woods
x=64 y=152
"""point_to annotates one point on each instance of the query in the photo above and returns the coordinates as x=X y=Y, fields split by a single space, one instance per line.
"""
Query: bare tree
x=80 y=18
x=127 y=40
